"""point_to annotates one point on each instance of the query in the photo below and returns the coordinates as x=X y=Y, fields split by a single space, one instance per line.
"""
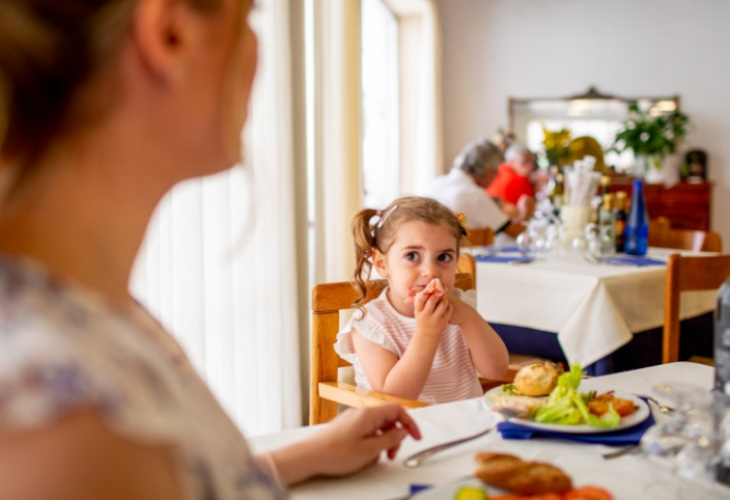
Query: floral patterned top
x=63 y=348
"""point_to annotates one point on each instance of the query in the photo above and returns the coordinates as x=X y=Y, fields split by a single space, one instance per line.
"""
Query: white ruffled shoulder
x=469 y=297
x=365 y=322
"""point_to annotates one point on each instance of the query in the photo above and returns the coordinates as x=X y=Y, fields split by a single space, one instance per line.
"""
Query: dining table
x=585 y=310
x=628 y=477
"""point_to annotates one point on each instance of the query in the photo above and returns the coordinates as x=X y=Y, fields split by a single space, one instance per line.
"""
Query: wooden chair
x=467 y=264
x=328 y=299
x=659 y=224
x=685 y=239
x=476 y=236
x=688 y=273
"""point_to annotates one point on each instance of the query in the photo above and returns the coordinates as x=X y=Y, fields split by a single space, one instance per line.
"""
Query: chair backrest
x=684 y=274
x=467 y=264
x=658 y=224
x=476 y=236
x=328 y=299
x=685 y=239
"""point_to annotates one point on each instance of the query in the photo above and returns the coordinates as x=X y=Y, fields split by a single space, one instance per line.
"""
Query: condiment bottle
x=621 y=217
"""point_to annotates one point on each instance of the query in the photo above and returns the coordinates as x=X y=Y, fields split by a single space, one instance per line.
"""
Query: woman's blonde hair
x=376 y=229
x=49 y=51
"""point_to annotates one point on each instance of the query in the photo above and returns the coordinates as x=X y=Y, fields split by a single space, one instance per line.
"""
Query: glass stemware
x=688 y=440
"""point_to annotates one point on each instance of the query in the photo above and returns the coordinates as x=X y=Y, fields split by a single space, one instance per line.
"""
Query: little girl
x=418 y=339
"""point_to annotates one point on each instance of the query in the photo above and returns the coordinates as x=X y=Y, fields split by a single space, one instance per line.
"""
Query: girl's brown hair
x=376 y=229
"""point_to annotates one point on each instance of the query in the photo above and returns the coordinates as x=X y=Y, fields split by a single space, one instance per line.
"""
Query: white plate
x=641 y=413
x=447 y=491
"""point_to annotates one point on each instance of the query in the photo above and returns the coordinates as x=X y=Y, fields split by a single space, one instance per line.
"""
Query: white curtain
x=337 y=137
x=218 y=266
x=421 y=147
x=429 y=145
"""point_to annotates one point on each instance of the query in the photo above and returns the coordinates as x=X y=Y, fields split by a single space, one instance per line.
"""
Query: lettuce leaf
x=567 y=406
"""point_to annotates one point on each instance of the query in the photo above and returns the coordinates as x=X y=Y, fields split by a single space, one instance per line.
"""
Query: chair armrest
x=356 y=397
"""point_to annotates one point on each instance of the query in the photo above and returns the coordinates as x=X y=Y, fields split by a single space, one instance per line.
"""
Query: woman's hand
x=351 y=442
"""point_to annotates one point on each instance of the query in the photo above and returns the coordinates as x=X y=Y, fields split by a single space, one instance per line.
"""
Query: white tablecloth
x=594 y=308
x=625 y=477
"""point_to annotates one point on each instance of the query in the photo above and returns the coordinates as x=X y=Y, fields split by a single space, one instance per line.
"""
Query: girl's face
x=420 y=253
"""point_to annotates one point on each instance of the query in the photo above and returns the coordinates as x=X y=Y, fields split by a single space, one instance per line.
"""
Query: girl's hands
x=432 y=308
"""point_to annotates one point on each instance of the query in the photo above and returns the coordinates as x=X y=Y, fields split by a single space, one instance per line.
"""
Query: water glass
x=689 y=440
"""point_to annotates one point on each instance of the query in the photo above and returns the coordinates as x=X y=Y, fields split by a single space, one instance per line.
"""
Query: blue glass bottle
x=637 y=223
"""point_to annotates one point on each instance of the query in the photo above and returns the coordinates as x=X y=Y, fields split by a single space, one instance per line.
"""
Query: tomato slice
x=588 y=493
x=540 y=496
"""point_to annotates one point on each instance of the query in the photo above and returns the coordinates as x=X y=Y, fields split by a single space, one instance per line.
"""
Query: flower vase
x=662 y=171
x=642 y=164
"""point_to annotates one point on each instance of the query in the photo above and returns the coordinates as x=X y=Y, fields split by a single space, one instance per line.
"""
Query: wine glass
x=687 y=441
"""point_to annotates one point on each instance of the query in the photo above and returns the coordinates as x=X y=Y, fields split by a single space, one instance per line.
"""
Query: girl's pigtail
x=364 y=239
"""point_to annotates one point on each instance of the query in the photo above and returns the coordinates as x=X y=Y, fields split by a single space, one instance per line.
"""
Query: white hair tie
x=378 y=220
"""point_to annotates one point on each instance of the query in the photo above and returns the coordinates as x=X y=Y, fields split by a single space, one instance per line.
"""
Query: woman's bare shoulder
x=80 y=457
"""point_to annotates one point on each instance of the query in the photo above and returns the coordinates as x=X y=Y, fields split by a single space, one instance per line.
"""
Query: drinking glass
x=687 y=441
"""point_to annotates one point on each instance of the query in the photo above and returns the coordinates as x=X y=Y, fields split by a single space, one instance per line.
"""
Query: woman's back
x=64 y=352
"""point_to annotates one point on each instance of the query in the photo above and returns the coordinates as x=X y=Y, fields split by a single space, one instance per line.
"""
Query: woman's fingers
x=388 y=417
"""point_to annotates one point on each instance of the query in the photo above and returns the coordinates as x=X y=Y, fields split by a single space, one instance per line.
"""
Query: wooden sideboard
x=686 y=205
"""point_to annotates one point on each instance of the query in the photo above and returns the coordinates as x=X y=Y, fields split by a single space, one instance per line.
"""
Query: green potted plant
x=650 y=137
x=557 y=146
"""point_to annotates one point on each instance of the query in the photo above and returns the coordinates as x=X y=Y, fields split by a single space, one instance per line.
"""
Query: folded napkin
x=416 y=487
x=502 y=258
x=632 y=260
x=622 y=437
x=512 y=248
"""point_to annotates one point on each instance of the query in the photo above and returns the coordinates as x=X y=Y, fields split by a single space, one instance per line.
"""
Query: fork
x=415 y=460
x=662 y=408
x=623 y=451
x=544 y=458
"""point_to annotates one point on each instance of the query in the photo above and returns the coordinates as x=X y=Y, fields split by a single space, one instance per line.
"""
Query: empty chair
x=687 y=273
x=661 y=223
x=685 y=239
x=476 y=236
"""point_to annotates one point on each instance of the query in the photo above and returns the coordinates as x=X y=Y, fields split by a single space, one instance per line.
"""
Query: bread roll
x=537 y=379
x=511 y=473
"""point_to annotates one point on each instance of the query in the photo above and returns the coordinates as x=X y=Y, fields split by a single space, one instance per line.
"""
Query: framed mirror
x=592 y=114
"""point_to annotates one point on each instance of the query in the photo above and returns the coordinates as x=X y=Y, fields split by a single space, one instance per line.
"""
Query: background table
x=624 y=477
x=577 y=311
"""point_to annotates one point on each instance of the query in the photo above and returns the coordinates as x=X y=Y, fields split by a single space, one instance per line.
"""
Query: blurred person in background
x=105 y=105
x=463 y=188
x=513 y=186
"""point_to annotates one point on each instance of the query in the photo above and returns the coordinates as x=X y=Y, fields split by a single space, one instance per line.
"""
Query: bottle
x=605 y=185
x=620 y=216
x=605 y=188
x=607 y=225
x=637 y=222
x=556 y=191
x=722 y=379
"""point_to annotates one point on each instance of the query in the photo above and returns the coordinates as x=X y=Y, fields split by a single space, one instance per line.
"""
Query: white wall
x=497 y=49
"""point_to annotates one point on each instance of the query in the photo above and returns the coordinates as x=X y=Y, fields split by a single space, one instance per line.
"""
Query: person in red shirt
x=512 y=185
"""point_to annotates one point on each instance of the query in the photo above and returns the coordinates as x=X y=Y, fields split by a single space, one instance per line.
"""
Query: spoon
x=662 y=408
